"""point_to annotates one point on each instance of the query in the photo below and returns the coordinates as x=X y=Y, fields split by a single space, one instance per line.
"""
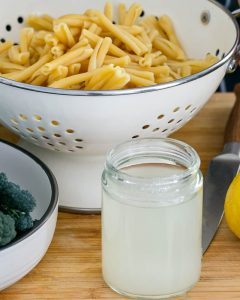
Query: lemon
x=232 y=206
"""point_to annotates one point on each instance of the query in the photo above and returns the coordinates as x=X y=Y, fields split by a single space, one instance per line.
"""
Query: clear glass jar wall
x=152 y=218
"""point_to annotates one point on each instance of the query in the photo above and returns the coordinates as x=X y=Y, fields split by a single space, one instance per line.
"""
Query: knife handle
x=232 y=131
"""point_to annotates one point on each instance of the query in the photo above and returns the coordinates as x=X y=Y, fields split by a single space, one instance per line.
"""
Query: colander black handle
x=232 y=132
x=236 y=13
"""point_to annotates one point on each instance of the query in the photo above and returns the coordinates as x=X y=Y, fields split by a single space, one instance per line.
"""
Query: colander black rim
x=153 y=88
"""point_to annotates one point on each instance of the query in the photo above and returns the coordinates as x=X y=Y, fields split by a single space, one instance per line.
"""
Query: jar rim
x=153 y=147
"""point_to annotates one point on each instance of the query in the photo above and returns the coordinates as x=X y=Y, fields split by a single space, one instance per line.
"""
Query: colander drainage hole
x=79 y=147
x=217 y=52
x=37 y=118
x=70 y=131
x=57 y=135
x=156 y=129
x=62 y=143
x=3 y=40
x=14 y=121
x=160 y=117
x=78 y=140
x=179 y=121
x=135 y=137
x=8 y=27
x=170 y=121
x=30 y=130
x=193 y=110
x=145 y=126
x=20 y=20
x=23 y=117
x=40 y=128
x=223 y=55
x=55 y=123
x=176 y=109
x=50 y=144
x=164 y=130
x=45 y=137
x=187 y=107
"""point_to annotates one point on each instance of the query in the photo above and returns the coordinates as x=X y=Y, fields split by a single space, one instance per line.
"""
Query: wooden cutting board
x=71 y=269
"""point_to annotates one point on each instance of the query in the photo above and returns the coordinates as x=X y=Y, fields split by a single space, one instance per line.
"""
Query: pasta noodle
x=26 y=36
x=103 y=50
x=95 y=51
x=167 y=26
x=57 y=74
x=74 y=68
x=133 y=13
x=121 y=13
x=119 y=61
x=108 y=11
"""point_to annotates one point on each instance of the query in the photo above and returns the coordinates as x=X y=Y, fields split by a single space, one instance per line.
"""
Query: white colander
x=87 y=124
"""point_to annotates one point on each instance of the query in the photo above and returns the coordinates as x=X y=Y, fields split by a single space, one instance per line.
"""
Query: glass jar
x=152 y=218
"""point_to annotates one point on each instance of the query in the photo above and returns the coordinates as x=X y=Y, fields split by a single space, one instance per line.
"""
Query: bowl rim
x=139 y=90
x=54 y=197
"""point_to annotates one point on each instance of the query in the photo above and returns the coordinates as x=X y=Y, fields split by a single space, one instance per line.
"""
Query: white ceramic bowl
x=20 y=257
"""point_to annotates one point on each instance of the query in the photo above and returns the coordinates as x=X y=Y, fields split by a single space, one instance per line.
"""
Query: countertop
x=71 y=269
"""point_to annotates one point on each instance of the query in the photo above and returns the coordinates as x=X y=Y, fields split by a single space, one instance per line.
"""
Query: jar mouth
x=147 y=150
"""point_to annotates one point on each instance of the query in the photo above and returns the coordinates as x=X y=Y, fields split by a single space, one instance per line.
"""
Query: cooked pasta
x=95 y=51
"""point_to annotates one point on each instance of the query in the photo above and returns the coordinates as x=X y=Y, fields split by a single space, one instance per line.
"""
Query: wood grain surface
x=71 y=269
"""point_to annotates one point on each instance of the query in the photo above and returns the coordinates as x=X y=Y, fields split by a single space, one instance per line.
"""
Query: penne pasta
x=26 y=36
x=23 y=75
x=122 y=36
x=143 y=74
x=59 y=73
x=186 y=71
x=39 y=80
x=67 y=58
x=8 y=67
x=140 y=81
x=132 y=14
x=96 y=51
x=103 y=50
x=102 y=81
x=164 y=79
x=119 y=61
x=121 y=13
x=119 y=79
x=74 y=69
x=99 y=76
x=93 y=59
x=58 y=50
x=134 y=29
x=5 y=46
x=75 y=79
x=39 y=23
x=157 y=71
x=169 y=49
x=167 y=26
x=64 y=34
x=108 y=11
x=15 y=56
x=93 y=38
x=51 y=40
